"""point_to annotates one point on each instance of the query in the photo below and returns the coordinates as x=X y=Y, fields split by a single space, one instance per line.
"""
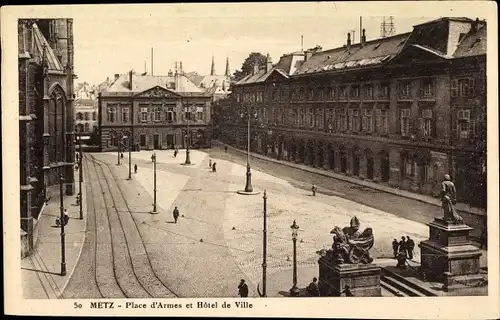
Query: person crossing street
x=176 y=214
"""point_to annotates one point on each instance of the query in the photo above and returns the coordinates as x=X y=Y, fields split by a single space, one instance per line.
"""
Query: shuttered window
x=405 y=119
x=465 y=125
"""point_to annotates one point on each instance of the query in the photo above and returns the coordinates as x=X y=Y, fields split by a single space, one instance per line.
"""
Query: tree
x=248 y=65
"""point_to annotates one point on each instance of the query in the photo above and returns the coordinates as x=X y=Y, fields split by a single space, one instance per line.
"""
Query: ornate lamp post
x=80 y=173
x=264 y=247
x=129 y=155
x=154 y=182
x=294 y=291
x=248 y=185
x=61 y=217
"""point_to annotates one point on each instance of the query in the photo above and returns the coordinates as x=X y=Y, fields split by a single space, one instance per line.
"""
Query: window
x=310 y=117
x=124 y=115
x=283 y=117
x=87 y=127
x=199 y=115
x=464 y=87
x=237 y=97
x=384 y=124
x=170 y=115
x=87 y=116
x=293 y=117
x=465 y=126
x=357 y=121
x=79 y=116
x=157 y=114
x=404 y=89
x=187 y=115
x=333 y=93
x=319 y=118
x=408 y=166
x=367 y=120
x=343 y=92
x=405 y=117
x=144 y=114
x=355 y=92
x=350 y=122
x=111 y=114
x=428 y=173
x=427 y=88
x=301 y=117
x=331 y=119
x=282 y=95
x=343 y=120
x=427 y=122
x=143 y=140
x=368 y=92
x=94 y=116
x=310 y=94
x=384 y=91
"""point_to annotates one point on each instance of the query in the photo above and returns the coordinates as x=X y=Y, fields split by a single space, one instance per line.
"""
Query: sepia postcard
x=251 y=159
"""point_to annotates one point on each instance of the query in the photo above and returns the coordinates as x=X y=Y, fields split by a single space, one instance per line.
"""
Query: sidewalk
x=403 y=193
x=40 y=271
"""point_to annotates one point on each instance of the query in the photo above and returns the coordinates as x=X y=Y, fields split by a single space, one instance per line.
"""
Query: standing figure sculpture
x=448 y=200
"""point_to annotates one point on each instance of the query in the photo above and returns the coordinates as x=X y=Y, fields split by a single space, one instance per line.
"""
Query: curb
x=481 y=213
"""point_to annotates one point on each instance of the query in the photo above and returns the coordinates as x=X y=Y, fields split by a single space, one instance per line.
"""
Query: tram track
x=136 y=251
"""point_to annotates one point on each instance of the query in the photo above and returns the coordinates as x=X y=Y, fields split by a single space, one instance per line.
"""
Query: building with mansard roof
x=46 y=125
x=401 y=111
x=153 y=112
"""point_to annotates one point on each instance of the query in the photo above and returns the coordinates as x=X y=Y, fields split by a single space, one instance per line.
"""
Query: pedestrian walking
x=347 y=291
x=175 y=153
x=402 y=253
x=225 y=149
x=210 y=163
x=313 y=289
x=135 y=168
x=395 y=246
x=313 y=189
x=66 y=217
x=176 y=214
x=121 y=155
x=214 y=167
x=243 y=289
x=410 y=246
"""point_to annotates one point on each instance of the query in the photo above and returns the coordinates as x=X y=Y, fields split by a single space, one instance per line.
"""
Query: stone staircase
x=402 y=287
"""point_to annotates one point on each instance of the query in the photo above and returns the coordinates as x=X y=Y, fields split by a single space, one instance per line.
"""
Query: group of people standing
x=404 y=248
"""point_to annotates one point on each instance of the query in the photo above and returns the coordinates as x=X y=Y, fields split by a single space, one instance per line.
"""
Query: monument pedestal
x=363 y=279
x=449 y=256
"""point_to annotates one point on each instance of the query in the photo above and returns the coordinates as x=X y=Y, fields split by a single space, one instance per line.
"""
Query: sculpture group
x=349 y=245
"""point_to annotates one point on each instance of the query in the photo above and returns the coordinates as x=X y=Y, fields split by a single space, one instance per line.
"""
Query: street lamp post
x=264 y=247
x=119 y=149
x=191 y=110
x=61 y=217
x=248 y=185
x=294 y=291
x=80 y=173
x=130 y=156
x=154 y=182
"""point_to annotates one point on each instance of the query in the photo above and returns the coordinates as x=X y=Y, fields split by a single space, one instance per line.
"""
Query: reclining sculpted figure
x=350 y=246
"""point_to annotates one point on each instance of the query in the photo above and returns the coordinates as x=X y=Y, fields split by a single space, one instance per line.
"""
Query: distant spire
x=227 y=73
x=212 y=70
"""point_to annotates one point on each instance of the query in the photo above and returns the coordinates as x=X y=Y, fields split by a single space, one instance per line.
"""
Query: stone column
x=326 y=160
x=362 y=166
x=377 y=172
x=337 y=157
x=350 y=163
x=394 y=167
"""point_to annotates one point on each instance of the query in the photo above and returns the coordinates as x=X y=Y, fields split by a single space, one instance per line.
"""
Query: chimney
x=348 y=40
x=476 y=25
x=181 y=69
x=363 y=38
x=255 y=69
x=170 y=73
x=130 y=80
x=308 y=55
x=117 y=75
x=269 y=63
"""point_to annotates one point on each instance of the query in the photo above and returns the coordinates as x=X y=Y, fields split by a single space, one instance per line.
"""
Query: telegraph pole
x=264 y=247
x=80 y=173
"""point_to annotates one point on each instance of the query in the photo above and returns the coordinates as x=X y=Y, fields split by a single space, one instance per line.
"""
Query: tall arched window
x=57 y=105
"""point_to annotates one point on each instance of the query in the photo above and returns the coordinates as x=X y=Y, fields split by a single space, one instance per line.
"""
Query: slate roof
x=473 y=44
x=459 y=19
x=143 y=82
x=371 y=53
x=39 y=42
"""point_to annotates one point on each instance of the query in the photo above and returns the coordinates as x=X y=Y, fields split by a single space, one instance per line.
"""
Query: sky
x=107 y=44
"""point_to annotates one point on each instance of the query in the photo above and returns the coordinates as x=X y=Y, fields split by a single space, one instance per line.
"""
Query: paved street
x=129 y=252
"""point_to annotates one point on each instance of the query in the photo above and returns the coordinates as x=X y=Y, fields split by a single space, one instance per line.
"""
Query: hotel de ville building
x=401 y=110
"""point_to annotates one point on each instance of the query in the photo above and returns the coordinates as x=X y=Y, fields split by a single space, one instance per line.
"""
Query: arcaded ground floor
x=416 y=169
x=155 y=138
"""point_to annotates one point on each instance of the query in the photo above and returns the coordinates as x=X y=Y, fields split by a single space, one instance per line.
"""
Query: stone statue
x=448 y=201
x=349 y=246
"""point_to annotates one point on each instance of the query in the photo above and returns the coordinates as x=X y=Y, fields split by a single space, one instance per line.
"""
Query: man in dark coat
x=225 y=149
x=410 y=246
x=313 y=289
x=243 y=289
x=214 y=167
x=135 y=168
x=176 y=214
x=395 y=246
x=347 y=291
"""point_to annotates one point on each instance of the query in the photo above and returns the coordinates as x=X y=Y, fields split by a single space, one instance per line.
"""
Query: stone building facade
x=86 y=109
x=158 y=112
x=46 y=125
x=401 y=110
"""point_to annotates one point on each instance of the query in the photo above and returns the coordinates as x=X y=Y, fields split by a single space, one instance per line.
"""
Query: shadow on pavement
x=49 y=272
